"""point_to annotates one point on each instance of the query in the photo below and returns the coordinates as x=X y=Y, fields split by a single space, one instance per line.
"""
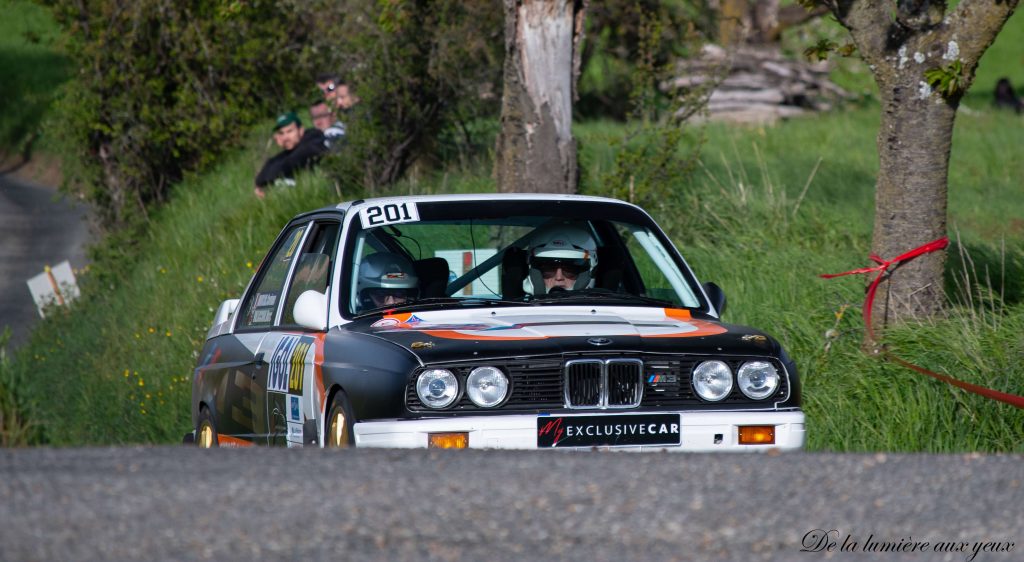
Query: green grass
x=117 y=368
x=768 y=209
x=31 y=71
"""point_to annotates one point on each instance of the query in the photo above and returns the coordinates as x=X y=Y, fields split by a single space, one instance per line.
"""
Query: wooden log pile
x=756 y=84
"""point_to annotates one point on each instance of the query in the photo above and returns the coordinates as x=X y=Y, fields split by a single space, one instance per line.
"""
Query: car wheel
x=339 y=423
x=206 y=431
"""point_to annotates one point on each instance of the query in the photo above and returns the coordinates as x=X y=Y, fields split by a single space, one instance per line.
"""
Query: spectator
x=1006 y=97
x=336 y=91
x=301 y=148
x=323 y=119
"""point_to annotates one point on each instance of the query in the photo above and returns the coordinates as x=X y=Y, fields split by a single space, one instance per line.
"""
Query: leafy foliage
x=424 y=71
x=32 y=69
x=618 y=35
x=658 y=150
x=15 y=429
x=165 y=86
x=824 y=47
x=947 y=80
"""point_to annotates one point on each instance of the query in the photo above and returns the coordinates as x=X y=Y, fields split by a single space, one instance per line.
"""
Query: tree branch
x=869 y=22
x=975 y=23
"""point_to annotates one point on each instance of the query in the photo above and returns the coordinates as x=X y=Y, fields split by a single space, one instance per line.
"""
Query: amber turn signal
x=757 y=434
x=447 y=440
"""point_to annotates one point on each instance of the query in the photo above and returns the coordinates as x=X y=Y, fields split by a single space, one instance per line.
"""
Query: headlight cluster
x=713 y=381
x=439 y=388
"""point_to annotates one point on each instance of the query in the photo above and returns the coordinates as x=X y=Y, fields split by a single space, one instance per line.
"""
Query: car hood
x=443 y=336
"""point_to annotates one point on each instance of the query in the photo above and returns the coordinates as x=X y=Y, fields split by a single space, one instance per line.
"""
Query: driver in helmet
x=386 y=279
x=561 y=258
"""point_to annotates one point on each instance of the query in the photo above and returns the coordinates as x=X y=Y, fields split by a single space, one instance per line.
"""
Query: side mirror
x=225 y=311
x=222 y=319
x=716 y=295
x=311 y=310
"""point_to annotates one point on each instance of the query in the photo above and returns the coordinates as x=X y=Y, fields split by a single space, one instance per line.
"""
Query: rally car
x=487 y=321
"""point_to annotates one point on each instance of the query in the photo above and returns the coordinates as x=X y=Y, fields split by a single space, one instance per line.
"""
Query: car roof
x=347 y=205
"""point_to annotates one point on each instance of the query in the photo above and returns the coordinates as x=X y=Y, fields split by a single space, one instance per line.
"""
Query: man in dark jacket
x=301 y=148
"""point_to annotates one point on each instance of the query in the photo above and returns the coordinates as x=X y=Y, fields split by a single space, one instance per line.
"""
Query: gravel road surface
x=178 y=503
x=38 y=227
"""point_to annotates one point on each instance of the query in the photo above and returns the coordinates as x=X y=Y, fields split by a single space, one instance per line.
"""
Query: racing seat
x=610 y=263
x=433 y=275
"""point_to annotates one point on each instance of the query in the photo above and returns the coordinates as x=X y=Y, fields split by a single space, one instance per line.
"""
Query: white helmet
x=385 y=274
x=567 y=246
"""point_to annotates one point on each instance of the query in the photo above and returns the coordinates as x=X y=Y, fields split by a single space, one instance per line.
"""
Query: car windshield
x=449 y=255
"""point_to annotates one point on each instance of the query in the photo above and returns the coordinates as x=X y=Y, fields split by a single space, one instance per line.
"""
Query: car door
x=257 y=321
x=289 y=352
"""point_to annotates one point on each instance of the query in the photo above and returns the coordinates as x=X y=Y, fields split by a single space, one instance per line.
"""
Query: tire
x=338 y=426
x=206 y=431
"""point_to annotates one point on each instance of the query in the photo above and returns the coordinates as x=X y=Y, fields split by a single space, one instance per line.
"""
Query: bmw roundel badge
x=599 y=341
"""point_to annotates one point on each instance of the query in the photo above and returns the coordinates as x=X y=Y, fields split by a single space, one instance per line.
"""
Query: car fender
x=372 y=370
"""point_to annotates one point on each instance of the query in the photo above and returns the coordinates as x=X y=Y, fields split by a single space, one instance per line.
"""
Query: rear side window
x=261 y=304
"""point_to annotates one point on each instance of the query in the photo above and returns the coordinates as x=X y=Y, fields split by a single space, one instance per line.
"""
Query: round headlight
x=712 y=380
x=758 y=379
x=486 y=386
x=437 y=388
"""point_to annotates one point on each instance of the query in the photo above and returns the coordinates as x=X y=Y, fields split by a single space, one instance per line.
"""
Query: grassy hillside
x=31 y=70
x=766 y=211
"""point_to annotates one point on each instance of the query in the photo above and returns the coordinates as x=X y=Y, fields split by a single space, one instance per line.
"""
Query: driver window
x=313 y=271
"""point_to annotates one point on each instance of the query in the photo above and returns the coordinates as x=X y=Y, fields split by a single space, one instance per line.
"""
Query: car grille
x=603 y=383
x=584 y=382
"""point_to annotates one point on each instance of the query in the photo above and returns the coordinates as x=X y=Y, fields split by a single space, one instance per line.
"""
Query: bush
x=165 y=86
x=425 y=71
x=619 y=35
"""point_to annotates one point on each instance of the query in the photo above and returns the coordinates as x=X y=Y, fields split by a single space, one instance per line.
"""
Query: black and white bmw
x=488 y=321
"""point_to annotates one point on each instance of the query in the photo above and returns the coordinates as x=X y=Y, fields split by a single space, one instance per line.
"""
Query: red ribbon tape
x=881 y=268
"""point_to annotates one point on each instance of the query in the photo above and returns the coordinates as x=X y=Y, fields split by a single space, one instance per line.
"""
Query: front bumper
x=700 y=431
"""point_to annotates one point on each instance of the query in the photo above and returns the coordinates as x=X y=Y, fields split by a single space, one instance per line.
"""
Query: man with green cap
x=301 y=148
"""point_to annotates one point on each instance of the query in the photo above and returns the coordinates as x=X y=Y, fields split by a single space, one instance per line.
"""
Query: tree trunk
x=535 y=149
x=914 y=144
x=902 y=42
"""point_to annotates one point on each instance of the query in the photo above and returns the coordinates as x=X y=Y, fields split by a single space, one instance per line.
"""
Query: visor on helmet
x=571 y=268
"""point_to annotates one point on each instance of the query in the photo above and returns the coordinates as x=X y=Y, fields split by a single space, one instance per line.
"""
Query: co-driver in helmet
x=386 y=279
x=561 y=257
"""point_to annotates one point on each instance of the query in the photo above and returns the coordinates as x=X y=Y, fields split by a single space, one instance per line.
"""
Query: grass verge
x=767 y=211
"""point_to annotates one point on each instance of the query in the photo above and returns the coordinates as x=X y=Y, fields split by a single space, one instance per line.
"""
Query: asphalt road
x=38 y=227
x=177 y=503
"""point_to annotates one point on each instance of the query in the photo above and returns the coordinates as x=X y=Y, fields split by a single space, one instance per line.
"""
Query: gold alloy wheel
x=205 y=436
x=337 y=433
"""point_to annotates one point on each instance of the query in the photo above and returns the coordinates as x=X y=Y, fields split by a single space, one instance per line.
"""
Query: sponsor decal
x=210 y=357
x=599 y=431
x=263 y=316
x=288 y=364
x=398 y=321
x=295 y=432
x=229 y=442
x=756 y=338
x=396 y=275
x=264 y=300
x=295 y=242
x=294 y=408
x=422 y=344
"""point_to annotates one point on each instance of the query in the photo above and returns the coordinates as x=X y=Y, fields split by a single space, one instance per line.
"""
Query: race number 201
x=388 y=213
